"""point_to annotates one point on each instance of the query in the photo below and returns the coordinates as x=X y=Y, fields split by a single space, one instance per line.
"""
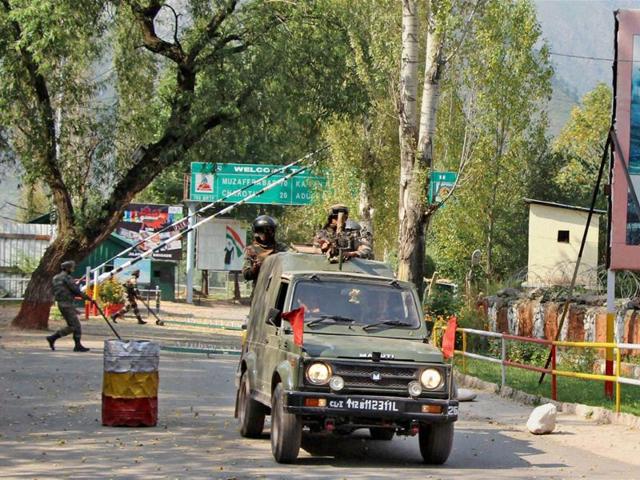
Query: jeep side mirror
x=274 y=317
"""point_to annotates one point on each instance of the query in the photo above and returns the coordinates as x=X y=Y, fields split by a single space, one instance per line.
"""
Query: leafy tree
x=99 y=97
x=496 y=94
x=580 y=145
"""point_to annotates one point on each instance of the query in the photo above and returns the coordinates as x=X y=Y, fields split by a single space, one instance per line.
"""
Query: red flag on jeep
x=296 y=319
x=449 y=337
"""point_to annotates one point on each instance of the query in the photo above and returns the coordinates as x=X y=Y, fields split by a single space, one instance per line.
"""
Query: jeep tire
x=379 y=433
x=250 y=412
x=436 y=440
x=286 y=429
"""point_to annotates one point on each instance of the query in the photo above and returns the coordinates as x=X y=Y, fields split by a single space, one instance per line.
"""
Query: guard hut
x=555 y=235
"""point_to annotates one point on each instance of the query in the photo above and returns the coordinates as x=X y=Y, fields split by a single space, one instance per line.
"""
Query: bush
x=577 y=359
x=442 y=302
x=521 y=352
x=111 y=292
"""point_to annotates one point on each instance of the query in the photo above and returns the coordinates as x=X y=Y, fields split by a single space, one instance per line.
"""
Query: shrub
x=577 y=359
x=111 y=292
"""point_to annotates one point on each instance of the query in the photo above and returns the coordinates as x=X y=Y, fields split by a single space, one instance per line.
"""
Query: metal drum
x=130 y=383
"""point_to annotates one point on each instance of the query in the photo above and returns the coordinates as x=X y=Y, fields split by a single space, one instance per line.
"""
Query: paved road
x=50 y=428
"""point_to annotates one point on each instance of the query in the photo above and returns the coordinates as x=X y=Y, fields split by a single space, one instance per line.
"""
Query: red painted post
x=554 y=379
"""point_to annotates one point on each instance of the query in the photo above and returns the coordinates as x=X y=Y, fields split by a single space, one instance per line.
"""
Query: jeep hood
x=361 y=347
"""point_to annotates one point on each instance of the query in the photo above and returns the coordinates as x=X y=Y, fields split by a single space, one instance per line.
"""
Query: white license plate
x=365 y=404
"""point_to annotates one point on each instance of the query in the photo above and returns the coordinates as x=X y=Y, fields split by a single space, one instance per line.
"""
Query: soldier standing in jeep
x=336 y=237
x=264 y=244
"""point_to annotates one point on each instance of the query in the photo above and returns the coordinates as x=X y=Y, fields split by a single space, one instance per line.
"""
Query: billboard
x=220 y=245
x=141 y=220
x=625 y=223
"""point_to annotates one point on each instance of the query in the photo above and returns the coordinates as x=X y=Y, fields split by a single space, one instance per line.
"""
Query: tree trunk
x=365 y=207
x=408 y=211
x=417 y=150
x=38 y=298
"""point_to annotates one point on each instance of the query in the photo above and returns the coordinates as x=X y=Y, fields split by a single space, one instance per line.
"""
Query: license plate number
x=365 y=404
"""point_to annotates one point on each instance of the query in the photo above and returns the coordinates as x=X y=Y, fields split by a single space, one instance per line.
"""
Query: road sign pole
x=191 y=248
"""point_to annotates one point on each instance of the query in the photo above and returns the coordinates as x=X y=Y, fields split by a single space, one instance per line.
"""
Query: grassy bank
x=574 y=390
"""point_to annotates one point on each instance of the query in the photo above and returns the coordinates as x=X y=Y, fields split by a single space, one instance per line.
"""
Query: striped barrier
x=130 y=383
x=553 y=345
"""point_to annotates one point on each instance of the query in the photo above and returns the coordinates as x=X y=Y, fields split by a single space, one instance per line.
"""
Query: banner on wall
x=141 y=221
x=220 y=246
x=625 y=223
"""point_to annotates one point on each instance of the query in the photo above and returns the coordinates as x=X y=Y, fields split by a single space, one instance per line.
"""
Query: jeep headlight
x=318 y=373
x=431 y=379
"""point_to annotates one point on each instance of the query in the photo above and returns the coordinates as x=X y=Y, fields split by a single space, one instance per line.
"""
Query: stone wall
x=535 y=317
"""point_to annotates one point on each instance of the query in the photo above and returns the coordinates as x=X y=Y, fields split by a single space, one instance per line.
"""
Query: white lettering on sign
x=372 y=404
x=336 y=404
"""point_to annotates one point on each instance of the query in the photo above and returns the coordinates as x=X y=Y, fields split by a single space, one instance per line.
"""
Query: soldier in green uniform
x=264 y=244
x=342 y=234
x=64 y=292
x=131 y=287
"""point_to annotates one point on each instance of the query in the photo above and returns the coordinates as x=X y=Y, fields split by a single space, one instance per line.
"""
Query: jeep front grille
x=375 y=376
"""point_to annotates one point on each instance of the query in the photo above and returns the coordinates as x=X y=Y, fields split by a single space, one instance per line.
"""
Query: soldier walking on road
x=264 y=244
x=133 y=294
x=64 y=292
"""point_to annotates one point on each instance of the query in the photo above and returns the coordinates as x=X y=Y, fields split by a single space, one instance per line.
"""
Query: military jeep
x=363 y=362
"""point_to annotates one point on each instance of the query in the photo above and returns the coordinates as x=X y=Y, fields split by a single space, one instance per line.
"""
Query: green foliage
x=520 y=352
x=492 y=120
x=442 y=302
x=111 y=292
x=577 y=359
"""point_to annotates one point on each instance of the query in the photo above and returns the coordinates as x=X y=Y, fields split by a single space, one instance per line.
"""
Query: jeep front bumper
x=430 y=410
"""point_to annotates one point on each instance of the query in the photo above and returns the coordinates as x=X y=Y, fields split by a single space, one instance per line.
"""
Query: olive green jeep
x=363 y=363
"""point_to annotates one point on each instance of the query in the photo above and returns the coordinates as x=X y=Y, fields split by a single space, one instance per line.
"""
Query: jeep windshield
x=366 y=304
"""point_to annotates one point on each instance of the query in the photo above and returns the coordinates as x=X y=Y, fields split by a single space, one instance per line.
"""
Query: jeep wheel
x=250 y=412
x=286 y=429
x=378 y=433
x=436 y=441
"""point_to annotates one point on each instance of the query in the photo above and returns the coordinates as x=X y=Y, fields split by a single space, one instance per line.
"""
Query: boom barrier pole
x=175 y=237
x=182 y=221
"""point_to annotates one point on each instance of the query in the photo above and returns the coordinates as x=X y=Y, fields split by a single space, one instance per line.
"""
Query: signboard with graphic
x=625 y=221
x=143 y=265
x=212 y=181
x=141 y=220
x=220 y=245
x=440 y=185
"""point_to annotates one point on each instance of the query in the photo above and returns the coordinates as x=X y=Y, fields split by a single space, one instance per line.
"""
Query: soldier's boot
x=52 y=340
x=79 y=347
x=141 y=321
x=114 y=317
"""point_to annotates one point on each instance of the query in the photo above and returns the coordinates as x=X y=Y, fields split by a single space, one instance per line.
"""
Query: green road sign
x=440 y=185
x=212 y=181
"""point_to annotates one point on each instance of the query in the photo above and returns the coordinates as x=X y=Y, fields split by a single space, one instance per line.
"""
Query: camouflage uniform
x=65 y=291
x=361 y=241
x=255 y=254
x=131 y=287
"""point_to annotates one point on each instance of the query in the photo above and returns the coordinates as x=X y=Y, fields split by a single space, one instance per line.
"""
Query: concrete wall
x=552 y=262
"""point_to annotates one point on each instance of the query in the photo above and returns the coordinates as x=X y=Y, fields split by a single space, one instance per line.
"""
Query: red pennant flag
x=449 y=337
x=296 y=319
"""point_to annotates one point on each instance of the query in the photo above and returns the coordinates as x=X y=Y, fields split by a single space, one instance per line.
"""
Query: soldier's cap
x=68 y=265
x=136 y=273
x=338 y=208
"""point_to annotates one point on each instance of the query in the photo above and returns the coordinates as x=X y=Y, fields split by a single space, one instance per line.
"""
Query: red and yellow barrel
x=130 y=383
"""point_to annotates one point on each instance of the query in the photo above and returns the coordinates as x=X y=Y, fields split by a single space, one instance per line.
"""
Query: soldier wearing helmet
x=64 y=291
x=340 y=234
x=264 y=244
x=133 y=294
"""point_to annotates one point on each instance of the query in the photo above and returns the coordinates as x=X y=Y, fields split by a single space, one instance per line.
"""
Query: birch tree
x=443 y=29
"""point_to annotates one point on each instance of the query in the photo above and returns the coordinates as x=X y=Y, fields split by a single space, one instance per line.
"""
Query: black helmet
x=69 y=265
x=264 y=223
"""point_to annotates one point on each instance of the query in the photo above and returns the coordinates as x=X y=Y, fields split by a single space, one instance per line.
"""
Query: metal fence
x=12 y=287
x=553 y=371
